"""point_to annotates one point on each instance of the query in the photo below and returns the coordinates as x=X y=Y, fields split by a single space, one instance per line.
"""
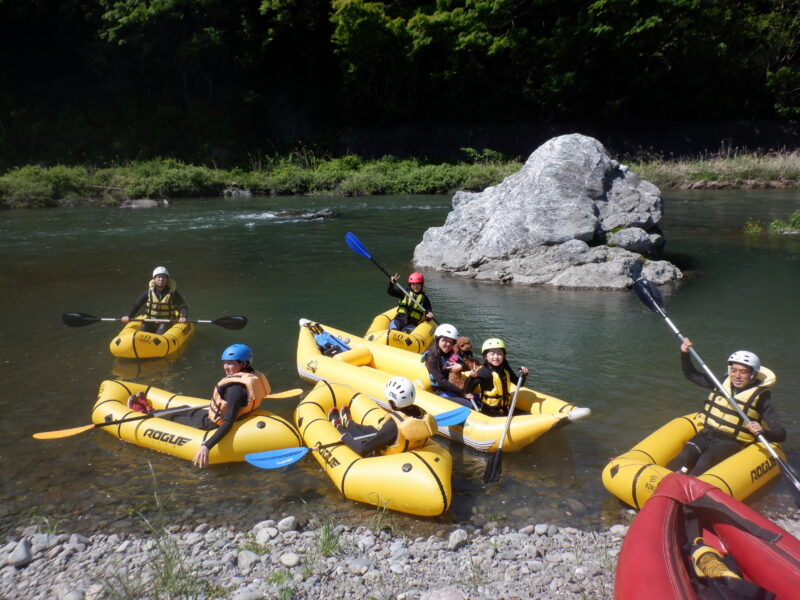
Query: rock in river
x=571 y=217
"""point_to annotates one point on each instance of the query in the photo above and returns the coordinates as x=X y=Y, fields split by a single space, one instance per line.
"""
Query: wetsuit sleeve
x=235 y=395
x=384 y=438
x=439 y=376
x=692 y=374
x=426 y=303
x=394 y=291
x=774 y=430
x=183 y=308
x=137 y=305
x=483 y=377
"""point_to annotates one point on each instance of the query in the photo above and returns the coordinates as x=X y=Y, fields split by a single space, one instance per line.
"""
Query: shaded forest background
x=227 y=82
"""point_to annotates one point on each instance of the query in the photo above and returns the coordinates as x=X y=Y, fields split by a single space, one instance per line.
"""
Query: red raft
x=684 y=541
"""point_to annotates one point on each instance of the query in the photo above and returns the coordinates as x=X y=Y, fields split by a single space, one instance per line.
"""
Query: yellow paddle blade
x=293 y=393
x=61 y=433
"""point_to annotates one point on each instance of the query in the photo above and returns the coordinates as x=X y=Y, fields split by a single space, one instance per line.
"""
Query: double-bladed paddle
x=651 y=298
x=77 y=319
x=62 y=433
x=356 y=246
x=494 y=466
x=274 y=459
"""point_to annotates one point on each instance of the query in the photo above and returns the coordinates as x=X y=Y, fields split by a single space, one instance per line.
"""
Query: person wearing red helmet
x=414 y=307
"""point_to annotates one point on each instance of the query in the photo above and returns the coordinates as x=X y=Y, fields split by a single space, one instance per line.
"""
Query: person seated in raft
x=236 y=395
x=725 y=432
x=440 y=364
x=494 y=378
x=409 y=315
x=161 y=300
x=405 y=427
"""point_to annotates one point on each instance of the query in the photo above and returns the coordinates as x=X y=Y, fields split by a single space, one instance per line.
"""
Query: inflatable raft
x=257 y=432
x=367 y=366
x=131 y=343
x=417 y=482
x=634 y=476
x=676 y=543
x=417 y=340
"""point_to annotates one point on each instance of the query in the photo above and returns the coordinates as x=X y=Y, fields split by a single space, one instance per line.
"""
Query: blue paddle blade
x=453 y=417
x=275 y=459
x=356 y=245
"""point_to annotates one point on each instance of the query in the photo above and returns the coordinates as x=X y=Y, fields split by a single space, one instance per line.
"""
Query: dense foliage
x=226 y=81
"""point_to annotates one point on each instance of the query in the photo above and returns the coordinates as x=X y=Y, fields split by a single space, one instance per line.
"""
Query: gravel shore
x=289 y=559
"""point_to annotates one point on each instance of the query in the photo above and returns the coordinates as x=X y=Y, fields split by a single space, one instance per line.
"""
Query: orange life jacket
x=257 y=388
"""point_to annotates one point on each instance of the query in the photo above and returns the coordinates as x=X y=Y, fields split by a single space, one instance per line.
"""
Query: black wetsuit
x=404 y=321
x=710 y=446
x=235 y=394
x=484 y=378
x=435 y=363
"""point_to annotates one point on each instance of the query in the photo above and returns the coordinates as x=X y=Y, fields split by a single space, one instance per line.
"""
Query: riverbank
x=300 y=174
x=289 y=559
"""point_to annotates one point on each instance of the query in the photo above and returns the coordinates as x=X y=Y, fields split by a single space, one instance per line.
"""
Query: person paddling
x=405 y=427
x=236 y=395
x=494 y=378
x=161 y=300
x=725 y=432
x=409 y=313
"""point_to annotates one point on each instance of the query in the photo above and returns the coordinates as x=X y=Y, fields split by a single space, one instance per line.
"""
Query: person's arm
x=692 y=374
x=235 y=395
x=774 y=431
x=481 y=377
x=137 y=305
x=439 y=376
x=394 y=291
x=384 y=437
x=183 y=308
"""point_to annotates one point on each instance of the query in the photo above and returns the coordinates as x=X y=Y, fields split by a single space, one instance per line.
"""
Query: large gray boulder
x=571 y=217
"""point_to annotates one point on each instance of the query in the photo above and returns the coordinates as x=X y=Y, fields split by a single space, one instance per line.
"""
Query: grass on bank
x=303 y=173
x=790 y=226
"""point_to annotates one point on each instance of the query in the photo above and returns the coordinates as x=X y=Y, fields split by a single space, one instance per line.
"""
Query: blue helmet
x=237 y=352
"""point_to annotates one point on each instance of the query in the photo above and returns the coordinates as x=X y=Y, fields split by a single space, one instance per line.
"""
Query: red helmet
x=416 y=278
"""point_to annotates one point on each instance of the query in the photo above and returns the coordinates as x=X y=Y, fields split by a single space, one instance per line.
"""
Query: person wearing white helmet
x=235 y=396
x=440 y=361
x=161 y=300
x=409 y=313
x=725 y=432
x=494 y=379
x=405 y=427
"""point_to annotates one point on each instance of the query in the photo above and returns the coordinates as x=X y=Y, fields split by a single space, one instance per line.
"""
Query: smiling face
x=495 y=357
x=232 y=367
x=741 y=375
x=446 y=344
x=416 y=287
x=161 y=280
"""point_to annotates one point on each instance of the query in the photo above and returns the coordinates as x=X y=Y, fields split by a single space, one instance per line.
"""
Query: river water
x=598 y=349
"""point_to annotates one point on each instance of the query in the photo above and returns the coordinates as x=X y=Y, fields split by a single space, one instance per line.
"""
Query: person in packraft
x=161 y=300
x=495 y=378
x=441 y=361
x=234 y=397
x=725 y=432
x=414 y=307
x=405 y=427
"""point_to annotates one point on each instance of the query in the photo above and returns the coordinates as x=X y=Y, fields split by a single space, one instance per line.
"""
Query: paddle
x=274 y=459
x=62 y=433
x=357 y=247
x=77 y=319
x=652 y=299
x=494 y=466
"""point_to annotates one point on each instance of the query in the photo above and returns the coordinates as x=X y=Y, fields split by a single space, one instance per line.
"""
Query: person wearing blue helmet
x=237 y=394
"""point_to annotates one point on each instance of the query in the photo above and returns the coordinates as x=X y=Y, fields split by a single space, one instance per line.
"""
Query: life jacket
x=719 y=414
x=498 y=396
x=257 y=388
x=412 y=433
x=409 y=308
x=163 y=308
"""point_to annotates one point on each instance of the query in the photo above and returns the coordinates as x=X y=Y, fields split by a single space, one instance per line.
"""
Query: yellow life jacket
x=257 y=388
x=163 y=308
x=721 y=416
x=499 y=395
x=407 y=307
x=412 y=433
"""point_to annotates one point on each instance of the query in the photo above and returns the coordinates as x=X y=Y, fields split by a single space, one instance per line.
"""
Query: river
x=599 y=349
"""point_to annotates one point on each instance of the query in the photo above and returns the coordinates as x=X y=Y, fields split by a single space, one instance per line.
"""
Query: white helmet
x=160 y=271
x=400 y=391
x=446 y=330
x=748 y=359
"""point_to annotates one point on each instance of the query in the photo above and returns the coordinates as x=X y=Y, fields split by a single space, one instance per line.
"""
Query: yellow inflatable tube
x=367 y=366
x=417 y=482
x=258 y=432
x=131 y=343
x=634 y=476
x=417 y=340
